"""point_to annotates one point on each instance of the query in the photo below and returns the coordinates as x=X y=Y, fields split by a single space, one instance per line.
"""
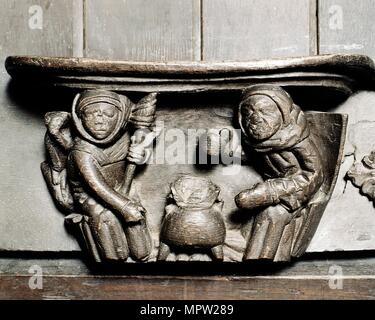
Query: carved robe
x=86 y=177
x=293 y=177
x=93 y=173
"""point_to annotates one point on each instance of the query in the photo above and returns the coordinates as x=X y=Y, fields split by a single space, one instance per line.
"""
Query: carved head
x=99 y=114
x=261 y=117
x=263 y=111
x=100 y=119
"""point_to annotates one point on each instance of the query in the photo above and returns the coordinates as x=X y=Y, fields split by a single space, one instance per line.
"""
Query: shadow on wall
x=35 y=102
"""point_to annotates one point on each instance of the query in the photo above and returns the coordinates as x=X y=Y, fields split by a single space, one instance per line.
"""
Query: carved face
x=100 y=119
x=261 y=118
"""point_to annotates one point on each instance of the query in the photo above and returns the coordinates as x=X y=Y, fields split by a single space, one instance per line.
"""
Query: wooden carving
x=277 y=130
x=92 y=154
x=283 y=143
x=123 y=205
x=193 y=218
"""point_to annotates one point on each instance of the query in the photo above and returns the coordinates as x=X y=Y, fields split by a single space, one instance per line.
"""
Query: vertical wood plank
x=252 y=29
x=314 y=25
x=143 y=30
x=28 y=218
x=347 y=26
x=38 y=27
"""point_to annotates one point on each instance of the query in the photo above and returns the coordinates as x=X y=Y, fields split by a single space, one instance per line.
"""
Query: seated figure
x=89 y=152
x=277 y=131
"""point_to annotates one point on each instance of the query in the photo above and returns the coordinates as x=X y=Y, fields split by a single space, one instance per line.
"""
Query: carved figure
x=92 y=156
x=193 y=218
x=275 y=129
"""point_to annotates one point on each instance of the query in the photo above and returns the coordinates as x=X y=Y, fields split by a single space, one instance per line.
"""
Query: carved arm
x=89 y=171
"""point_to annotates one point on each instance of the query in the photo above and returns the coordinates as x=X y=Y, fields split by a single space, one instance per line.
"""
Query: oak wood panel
x=248 y=29
x=347 y=26
x=143 y=30
x=253 y=27
x=28 y=218
x=186 y=288
x=317 y=276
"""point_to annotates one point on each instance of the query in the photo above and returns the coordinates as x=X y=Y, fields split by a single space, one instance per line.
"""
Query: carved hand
x=137 y=153
x=133 y=212
x=258 y=196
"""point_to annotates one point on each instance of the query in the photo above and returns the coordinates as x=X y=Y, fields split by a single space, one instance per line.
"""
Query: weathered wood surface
x=25 y=206
x=186 y=288
x=347 y=26
x=319 y=278
x=38 y=27
x=143 y=30
x=245 y=30
x=27 y=215
x=349 y=220
x=331 y=74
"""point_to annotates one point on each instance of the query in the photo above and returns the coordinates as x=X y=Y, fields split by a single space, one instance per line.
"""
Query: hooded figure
x=277 y=130
x=95 y=163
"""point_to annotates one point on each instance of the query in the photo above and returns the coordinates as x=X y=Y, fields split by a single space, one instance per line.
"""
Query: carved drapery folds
x=91 y=160
x=97 y=150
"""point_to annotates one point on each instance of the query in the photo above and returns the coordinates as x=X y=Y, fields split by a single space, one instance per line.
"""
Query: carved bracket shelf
x=124 y=203
x=344 y=73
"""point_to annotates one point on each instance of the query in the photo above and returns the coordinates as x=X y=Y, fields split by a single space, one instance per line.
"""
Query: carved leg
x=279 y=218
x=164 y=251
x=256 y=238
x=284 y=250
x=83 y=233
x=267 y=232
x=107 y=231
x=118 y=236
x=218 y=253
x=139 y=240
x=89 y=240
x=103 y=238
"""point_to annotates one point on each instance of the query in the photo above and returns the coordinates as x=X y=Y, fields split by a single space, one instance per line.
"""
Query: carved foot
x=218 y=253
x=164 y=251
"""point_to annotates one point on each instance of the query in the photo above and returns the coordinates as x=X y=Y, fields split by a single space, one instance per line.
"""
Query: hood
x=82 y=100
x=294 y=126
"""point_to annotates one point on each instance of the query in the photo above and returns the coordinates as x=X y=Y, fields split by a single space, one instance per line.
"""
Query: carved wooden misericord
x=122 y=205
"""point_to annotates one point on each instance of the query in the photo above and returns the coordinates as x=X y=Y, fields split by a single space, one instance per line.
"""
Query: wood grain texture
x=340 y=73
x=314 y=279
x=347 y=26
x=348 y=222
x=184 y=288
x=27 y=216
x=353 y=264
x=38 y=27
x=243 y=29
x=34 y=216
x=208 y=111
x=143 y=30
